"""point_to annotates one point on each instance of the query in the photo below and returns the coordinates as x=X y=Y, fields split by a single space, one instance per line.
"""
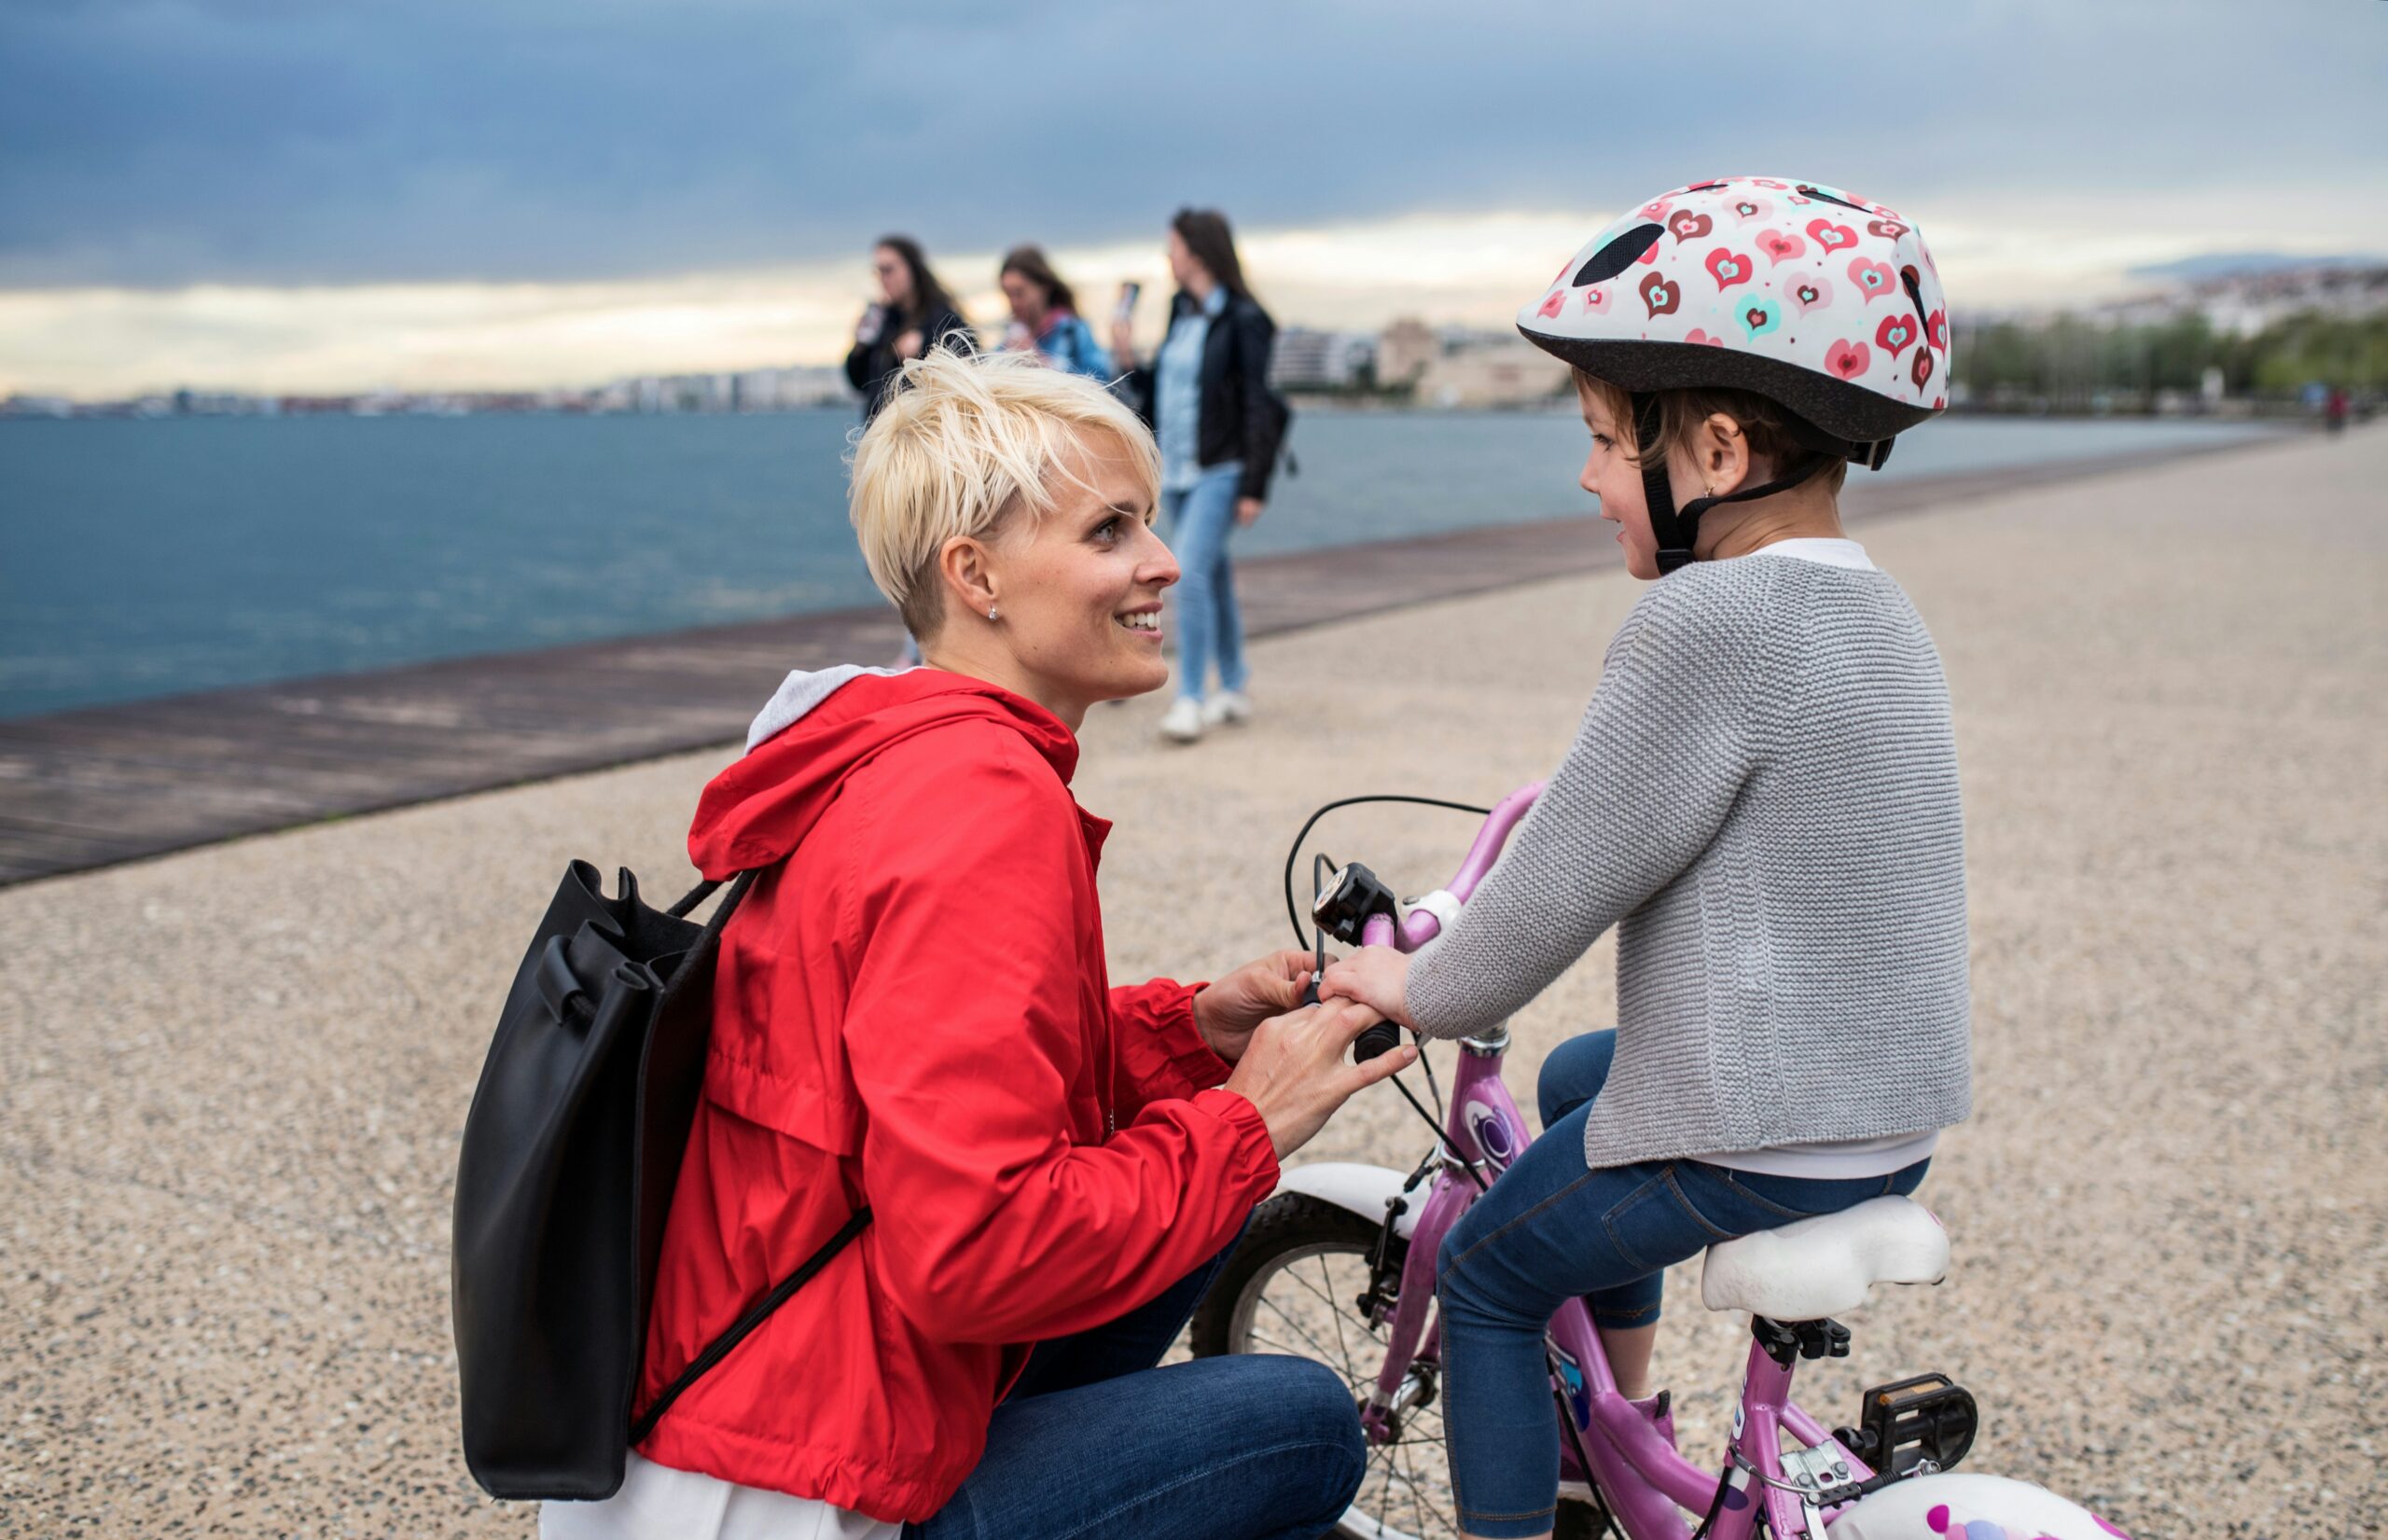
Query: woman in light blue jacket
x=1044 y=316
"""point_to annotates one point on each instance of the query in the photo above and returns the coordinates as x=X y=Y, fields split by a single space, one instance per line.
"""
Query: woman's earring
x=990 y=612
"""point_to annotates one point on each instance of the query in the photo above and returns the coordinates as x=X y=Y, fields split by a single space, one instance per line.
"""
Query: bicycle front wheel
x=1294 y=1288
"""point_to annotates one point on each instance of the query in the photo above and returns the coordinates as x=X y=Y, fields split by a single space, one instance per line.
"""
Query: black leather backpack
x=570 y=1154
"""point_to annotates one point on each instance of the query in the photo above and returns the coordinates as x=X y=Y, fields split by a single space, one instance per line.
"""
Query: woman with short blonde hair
x=911 y=1015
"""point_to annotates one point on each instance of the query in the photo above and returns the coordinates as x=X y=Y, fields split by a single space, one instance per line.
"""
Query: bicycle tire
x=1296 y=1223
x=1284 y=1223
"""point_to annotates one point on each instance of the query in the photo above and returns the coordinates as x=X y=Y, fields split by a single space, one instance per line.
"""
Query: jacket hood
x=818 y=728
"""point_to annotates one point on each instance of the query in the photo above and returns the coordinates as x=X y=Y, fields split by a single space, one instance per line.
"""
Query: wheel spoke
x=1334 y=1315
x=1316 y=1346
x=1407 y=1493
x=1426 y=1508
x=1324 y=1296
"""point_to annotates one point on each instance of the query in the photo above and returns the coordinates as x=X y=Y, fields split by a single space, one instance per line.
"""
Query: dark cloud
x=155 y=143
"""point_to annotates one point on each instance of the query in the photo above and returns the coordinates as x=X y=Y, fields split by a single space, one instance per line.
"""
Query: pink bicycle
x=1340 y=1266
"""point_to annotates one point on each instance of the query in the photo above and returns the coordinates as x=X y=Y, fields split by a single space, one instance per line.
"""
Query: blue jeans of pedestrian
x=1094 y=1443
x=1553 y=1228
x=1209 y=629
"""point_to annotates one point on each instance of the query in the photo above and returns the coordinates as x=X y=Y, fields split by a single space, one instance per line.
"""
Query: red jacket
x=911 y=1011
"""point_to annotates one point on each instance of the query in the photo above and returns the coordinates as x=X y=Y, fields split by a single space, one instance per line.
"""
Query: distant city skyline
x=451 y=194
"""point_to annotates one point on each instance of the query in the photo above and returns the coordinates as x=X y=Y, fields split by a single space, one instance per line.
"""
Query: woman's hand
x=1229 y=1009
x=1247 y=510
x=1293 y=1070
x=1123 y=343
x=1377 y=978
x=909 y=345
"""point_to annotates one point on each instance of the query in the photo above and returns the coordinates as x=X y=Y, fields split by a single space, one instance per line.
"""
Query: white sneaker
x=1183 y=723
x=1233 y=707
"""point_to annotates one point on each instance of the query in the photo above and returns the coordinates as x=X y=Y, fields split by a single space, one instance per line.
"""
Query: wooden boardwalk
x=108 y=783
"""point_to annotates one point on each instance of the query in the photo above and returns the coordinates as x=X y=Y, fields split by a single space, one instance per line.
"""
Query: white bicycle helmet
x=1821 y=302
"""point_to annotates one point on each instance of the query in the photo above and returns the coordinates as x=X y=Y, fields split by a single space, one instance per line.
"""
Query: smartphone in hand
x=1128 y=295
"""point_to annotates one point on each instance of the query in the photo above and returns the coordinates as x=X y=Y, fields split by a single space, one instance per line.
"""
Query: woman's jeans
x=1200 y=519
x=1094 y=1443
x=1552 y=1229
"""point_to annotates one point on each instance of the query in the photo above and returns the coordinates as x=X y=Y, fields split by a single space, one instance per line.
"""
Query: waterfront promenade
x=231 y=1081
x=102 y=785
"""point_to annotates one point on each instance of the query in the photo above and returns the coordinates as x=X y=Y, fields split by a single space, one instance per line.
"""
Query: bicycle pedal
x=1908 y=1424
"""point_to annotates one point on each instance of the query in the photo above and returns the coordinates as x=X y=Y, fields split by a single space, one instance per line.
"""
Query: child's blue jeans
x=1553 y=1228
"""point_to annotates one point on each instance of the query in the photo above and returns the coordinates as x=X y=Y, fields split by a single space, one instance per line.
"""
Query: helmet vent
x=1915 y=293
x=1619 y=255
x=1822 y=196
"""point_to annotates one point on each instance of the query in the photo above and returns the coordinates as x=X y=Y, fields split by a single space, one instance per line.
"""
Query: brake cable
x=1315 y=942
x=1293 y=912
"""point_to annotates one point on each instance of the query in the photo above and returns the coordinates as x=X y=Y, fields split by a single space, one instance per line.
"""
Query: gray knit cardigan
x=1763 y=799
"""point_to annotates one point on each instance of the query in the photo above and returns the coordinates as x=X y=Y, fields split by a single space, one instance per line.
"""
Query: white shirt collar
x=1825 y=553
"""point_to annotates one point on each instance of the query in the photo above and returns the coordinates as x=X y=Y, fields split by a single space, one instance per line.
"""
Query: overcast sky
x=302 y=193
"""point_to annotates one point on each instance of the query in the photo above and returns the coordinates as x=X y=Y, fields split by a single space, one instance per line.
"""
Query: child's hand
x=1377 y=977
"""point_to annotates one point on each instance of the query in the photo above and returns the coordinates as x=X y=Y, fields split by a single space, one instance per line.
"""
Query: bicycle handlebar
x=1423 y=925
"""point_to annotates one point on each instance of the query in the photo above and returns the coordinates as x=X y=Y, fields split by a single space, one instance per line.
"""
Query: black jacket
x=1241 y=417
x=871 y=367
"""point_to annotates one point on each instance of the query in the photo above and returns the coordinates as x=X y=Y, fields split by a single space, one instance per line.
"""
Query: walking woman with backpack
x=1207 y=395
x=912 y=315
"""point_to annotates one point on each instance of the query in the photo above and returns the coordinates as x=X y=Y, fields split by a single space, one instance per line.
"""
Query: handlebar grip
x=1382 y=1038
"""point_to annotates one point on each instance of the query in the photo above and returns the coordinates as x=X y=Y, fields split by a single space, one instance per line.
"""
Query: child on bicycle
x=1762 y=798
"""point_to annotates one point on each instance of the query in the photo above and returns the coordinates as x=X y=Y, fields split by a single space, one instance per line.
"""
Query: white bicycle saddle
x=1826 y=1266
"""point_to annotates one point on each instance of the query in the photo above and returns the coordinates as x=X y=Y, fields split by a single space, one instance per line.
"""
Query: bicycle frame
x=1645 y=1482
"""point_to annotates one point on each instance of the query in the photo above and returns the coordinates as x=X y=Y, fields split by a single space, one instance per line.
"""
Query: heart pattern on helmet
x=1873 y=279
x=1781 y=259
x=1728 y=267
x=1658 y=296
x=1829 y=237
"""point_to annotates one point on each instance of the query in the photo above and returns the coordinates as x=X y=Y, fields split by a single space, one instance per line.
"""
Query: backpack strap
x=719 y=1348
x=758 y=1313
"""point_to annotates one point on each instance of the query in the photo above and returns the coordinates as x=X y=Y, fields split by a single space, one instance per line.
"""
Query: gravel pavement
x=231 y=1081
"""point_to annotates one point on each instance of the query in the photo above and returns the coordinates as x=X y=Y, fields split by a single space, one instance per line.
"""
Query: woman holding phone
x=912 y=315
x=1044 y=316
x=1207 y=395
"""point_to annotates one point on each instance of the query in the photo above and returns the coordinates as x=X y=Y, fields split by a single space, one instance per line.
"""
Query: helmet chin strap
x=1677 y=529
